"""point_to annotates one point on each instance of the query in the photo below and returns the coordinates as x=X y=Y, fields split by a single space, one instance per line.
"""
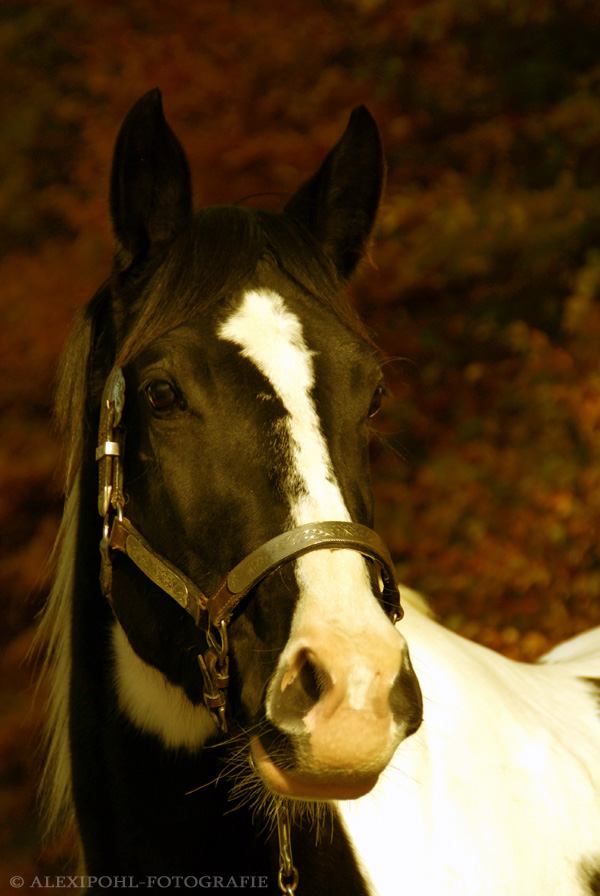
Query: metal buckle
x=222 y=648
x=215 y=672
x=110 y=443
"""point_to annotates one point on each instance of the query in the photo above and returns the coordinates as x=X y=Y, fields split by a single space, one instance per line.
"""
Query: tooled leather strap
x=294 y=543
x=125 y=537
x=256 y=566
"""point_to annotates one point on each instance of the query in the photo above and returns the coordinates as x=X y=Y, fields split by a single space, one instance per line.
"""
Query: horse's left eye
x=376 y=400
x=162 y=395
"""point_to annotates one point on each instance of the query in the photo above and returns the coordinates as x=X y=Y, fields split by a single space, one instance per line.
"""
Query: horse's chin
x=317 y=786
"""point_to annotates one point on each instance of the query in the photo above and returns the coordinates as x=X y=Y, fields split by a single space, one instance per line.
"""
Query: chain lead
x=288 y=873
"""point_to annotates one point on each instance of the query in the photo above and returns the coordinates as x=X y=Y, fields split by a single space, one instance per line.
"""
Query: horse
x=238 y=698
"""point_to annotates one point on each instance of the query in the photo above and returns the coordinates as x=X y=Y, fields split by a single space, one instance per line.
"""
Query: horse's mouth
x=310 y=785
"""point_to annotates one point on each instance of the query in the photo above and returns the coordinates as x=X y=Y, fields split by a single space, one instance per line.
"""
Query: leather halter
x=211 y=613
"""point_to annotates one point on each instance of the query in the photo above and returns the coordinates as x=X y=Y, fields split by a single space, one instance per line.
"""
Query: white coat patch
x=154 y=704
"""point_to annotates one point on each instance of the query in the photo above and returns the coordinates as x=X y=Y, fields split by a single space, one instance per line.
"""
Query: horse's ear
x=339 y=203
x=150 y=190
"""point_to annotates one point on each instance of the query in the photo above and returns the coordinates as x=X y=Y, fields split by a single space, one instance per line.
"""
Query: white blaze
x=271 y=337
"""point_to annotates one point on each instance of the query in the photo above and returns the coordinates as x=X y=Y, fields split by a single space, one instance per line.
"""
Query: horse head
x=247 y=391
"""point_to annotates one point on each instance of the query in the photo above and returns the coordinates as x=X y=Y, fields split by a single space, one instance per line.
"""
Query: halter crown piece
x=211 y=614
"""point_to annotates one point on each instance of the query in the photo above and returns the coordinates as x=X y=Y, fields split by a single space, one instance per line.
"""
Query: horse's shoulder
x=415 y=600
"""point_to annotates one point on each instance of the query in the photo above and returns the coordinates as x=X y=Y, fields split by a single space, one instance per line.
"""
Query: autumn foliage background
x=482 y=287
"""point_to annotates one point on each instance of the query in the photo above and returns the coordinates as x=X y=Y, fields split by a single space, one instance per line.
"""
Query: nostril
x=301 y=685
x=312 y=678
x=406 y=700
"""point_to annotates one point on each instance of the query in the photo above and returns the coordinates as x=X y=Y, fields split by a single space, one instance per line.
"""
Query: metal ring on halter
x=106 y=529
x=288 y=889
x=222 y=648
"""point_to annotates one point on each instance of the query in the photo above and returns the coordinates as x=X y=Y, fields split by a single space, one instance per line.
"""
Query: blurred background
x=481 y=289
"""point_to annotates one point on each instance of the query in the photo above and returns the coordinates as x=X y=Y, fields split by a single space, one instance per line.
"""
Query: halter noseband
x=211 y=614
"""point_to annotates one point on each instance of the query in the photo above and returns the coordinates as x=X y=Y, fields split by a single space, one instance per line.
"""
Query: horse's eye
x=380 y=391
x=162 y=395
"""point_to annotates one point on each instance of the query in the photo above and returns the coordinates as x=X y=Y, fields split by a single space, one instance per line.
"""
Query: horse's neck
x=153 y=807
x=489 y=786
x=479 y=704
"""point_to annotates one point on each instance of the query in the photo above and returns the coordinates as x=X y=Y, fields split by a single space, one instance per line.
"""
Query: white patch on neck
x=271 y=337
x=155 y=705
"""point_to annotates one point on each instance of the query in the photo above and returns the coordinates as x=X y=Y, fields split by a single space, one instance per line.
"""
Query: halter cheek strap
x=111 y=436
x=212 y=614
